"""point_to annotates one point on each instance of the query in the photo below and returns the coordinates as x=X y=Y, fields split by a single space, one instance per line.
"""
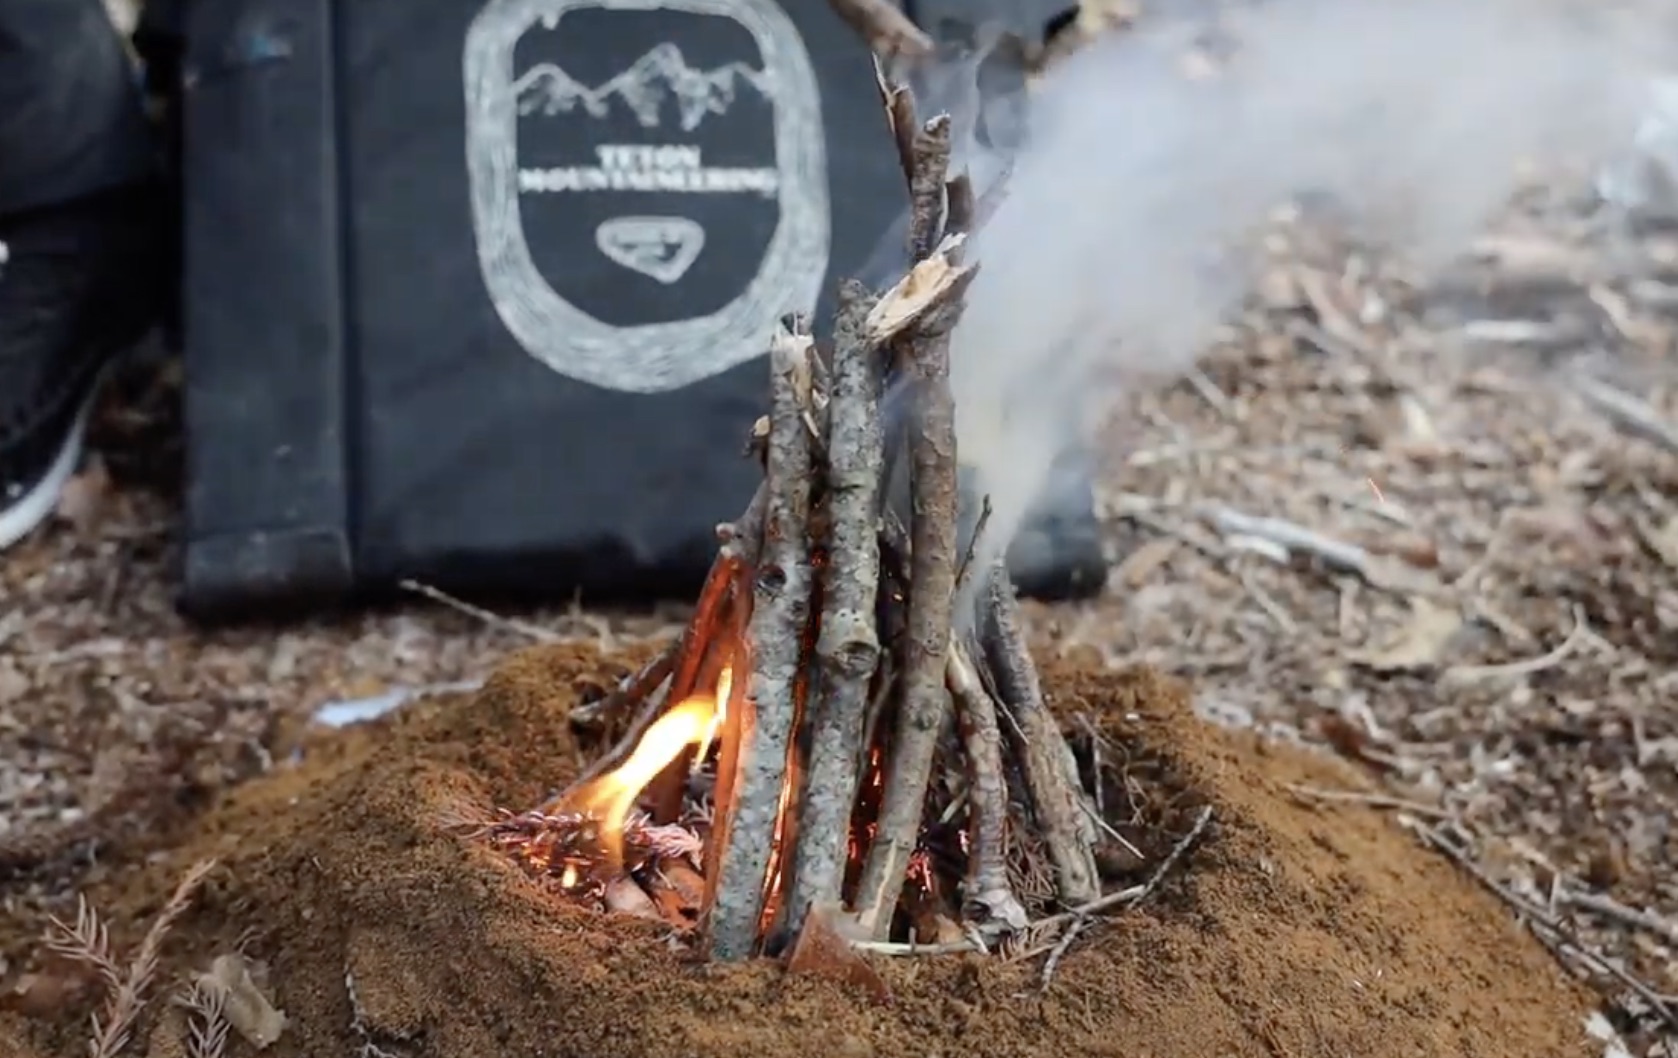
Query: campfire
x=849 y=741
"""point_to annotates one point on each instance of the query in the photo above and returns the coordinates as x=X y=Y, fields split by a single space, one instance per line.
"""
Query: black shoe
x=80 y=283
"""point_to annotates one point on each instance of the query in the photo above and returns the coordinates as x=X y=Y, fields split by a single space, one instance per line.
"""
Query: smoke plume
x=1115 y=255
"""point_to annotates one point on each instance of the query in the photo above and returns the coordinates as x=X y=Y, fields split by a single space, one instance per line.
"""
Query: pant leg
x=72 y=119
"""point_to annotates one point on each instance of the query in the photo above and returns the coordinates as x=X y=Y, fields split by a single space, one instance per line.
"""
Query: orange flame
x=610 y=798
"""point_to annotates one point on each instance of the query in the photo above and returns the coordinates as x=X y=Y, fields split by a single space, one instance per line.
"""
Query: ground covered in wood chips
x=1292 y=929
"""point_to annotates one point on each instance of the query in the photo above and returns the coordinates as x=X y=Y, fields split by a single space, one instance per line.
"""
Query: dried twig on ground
x=1631 y=414
x=1078 y=917
x=632 y=691
x=478 y=613
x=1608 y=907
x=1546 y=927
x=1369 y=800
x=848 y=646
x=1517 y=669
x=779 y=615
x=1336 y=554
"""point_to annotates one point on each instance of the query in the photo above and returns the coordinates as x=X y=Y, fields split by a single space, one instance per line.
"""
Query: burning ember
x=838 y=752
x=593 y=844
x=611 y=798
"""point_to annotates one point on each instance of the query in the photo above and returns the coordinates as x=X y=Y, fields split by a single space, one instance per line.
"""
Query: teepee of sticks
x=850 y=733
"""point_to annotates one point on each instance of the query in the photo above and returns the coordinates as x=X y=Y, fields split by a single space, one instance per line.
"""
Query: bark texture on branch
x=1056 y=801
x=781 y=600
x=987 y=884
x=888 y=31
x=847 y=645
x=931 y=154
x=900 y=117
x=932 y=571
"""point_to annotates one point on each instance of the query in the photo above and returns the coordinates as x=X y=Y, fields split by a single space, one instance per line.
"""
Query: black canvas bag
x=476 y=293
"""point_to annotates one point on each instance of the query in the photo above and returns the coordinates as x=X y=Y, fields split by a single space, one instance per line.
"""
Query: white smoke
x=1107 y=266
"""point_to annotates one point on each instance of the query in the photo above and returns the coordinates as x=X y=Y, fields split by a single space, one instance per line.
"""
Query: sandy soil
x=1290 y=930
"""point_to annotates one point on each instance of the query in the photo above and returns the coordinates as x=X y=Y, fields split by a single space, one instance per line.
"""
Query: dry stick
x=987 y=862
x=1080 y=917
x=900 y=118
x=740 y=541
x=1631 y=414
x=932 y=541
x=965 y=569
x=1369 y=800
x=848 y=645
x=478 y=613
x=734 y=731
x=1082 y=913
x=960 y=210
x=1546 y=926
x=1067 y=832
x=631 y=691
x=701 y=629
x=779 y=612
x=1336 y=554
x=888 y=31
x=1607 y=907
x=666 y=789
x=926 y=186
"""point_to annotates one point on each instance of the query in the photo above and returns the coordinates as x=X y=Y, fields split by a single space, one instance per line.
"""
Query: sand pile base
x=1290 y=932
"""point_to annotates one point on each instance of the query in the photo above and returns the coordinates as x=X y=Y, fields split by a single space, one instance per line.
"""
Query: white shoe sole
x=27 y=513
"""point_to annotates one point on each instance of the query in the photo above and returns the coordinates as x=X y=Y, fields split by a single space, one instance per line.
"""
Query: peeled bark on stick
x=932 y=571
x=702 y=629
x=735 y=726
x=780 y=608
x=664 y=793
x=1055 y=797
x=900 y=116
x=848 y=646
x=987 y=884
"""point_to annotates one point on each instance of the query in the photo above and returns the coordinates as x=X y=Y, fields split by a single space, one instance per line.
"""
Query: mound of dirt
x=1289 y=931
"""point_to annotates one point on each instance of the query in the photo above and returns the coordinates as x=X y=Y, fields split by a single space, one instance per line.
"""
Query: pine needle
x=207 y=1024
x=128 y=998
x=88 y=942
